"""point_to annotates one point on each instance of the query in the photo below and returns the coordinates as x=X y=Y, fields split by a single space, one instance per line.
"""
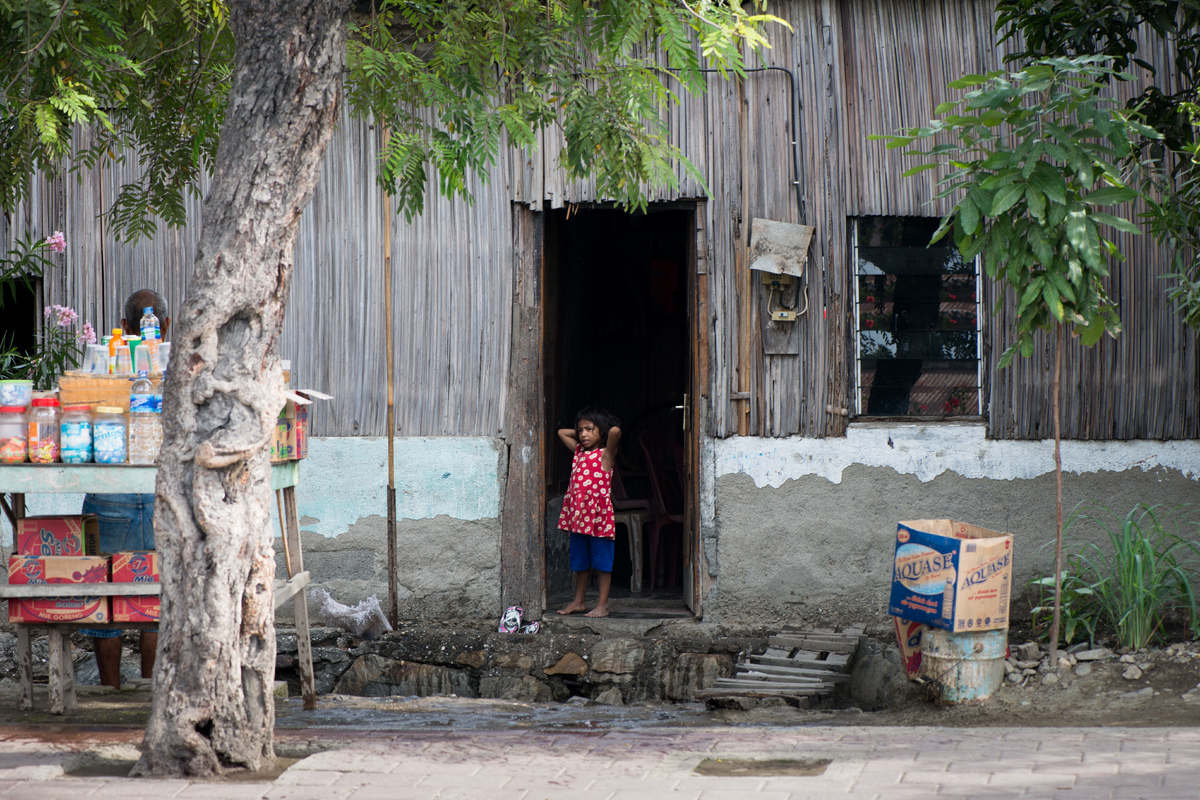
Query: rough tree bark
x=212 y=704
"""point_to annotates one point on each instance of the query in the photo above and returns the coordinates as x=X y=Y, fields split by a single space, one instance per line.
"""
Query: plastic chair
x=667 y=498
x=633 y=513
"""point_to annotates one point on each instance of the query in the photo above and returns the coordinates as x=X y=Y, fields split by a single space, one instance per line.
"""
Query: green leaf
x=1053 y=301
x=918 y=169
x=968 y=215
x=1109 y=195
x=1120 y=223
x=1093 y=332
x=1049 y=182
x=1006 y=197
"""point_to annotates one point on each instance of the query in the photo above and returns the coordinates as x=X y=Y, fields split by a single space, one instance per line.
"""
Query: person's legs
x=602 y=552
x=108 y=660
x=149 y=647
x=582 y=567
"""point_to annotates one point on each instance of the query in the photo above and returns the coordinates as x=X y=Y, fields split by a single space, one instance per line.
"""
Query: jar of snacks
x=43 y=431
x=14 y=435
x=16 y=393
x=76 y=434
x=109 y=435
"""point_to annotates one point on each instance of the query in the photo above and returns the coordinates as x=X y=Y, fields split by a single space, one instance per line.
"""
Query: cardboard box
x=908 y=639
x=76 y=388
x=290 y=440
x=32 y=570
x=135 y=566
x=71 y=535
x=951 y=575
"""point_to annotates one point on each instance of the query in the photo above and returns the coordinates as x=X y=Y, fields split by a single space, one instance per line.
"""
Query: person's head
x=135 y=306
x=592 y=425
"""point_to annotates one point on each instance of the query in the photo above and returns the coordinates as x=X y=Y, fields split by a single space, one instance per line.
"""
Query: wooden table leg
x=68 y=669
x=25 y=667
x=308 y=685
x=56 y=671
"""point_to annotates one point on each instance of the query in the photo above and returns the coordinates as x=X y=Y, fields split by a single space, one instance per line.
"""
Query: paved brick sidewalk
x=657 y=764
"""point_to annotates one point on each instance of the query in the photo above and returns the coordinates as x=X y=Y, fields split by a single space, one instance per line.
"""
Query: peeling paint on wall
x=927 y=451
x=345 y=479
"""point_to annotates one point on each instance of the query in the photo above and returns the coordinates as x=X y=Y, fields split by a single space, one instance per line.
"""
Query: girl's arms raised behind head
x=569 y=438
x=609 y=459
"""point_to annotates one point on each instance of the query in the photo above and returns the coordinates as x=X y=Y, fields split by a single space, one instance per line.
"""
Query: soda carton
x=36 y=570
x=908 y=639
x=951 y=575
x=70 y=535
x=135 y=566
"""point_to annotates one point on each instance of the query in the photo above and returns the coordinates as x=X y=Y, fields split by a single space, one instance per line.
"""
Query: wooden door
x=694 y=569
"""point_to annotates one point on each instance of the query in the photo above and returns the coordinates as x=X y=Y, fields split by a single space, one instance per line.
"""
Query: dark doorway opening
x=617 y=335
x=19 y=299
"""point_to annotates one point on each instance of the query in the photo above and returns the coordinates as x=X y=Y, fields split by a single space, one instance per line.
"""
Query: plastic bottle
x=151 y=334
x=145 y=430
x=14 y=435
x=113 y=343
x=948 y=594
x=108 y=436
x=76 y=434
x=43 y=431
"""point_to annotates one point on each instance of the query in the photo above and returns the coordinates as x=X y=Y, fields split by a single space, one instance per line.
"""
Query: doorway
x=617 y=335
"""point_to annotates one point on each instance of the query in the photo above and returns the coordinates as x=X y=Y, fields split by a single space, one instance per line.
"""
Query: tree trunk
x=213 y=705
x=1058 y=530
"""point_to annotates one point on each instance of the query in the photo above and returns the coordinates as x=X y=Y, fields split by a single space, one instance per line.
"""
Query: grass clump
x=1142 y=574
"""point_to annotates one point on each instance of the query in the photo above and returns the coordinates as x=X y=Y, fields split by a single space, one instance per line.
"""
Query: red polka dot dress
x=588 y=508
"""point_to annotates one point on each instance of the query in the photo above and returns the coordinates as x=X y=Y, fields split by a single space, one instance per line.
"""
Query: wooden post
x=25 y=667
x=56 y=670
x=68 y=673
x=390 y=355
x=742 y=279
x=522 y=544
x=1058 y=529
x=308 y=687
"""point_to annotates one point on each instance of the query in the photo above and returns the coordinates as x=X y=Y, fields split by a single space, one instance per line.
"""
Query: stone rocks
x=1064 y=663
x=1014 y=677
x=610 y=697
x=1083 y=669
x=1139 y=694
x=526 y=688
x=1193 y=696
x=475 y=658
x=1093 y=655
x=695 y=671
x=570 y=664
x=375 y=676
x=1049 y=679
x=512 y=661
x=1029 y=652
x=1132 y=674
x=1128 y=659
x=618 y=656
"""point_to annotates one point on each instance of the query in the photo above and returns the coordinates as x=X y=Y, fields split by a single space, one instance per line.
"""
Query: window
x=917 y=326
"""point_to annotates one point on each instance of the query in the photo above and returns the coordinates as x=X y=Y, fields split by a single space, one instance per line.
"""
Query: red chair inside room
x=666 y=500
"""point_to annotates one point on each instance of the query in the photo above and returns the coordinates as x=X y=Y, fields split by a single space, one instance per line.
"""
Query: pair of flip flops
x=511 y=622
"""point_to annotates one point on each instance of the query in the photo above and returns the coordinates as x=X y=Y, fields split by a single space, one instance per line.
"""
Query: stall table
x=21 y=479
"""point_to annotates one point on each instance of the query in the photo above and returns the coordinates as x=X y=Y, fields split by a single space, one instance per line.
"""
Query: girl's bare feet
x=574 y=608
x=598 y=611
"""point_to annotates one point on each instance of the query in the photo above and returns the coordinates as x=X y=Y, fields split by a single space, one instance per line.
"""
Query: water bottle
x=151 y=335
x=145 y=430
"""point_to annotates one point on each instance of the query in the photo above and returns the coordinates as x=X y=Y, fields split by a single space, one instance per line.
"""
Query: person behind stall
x=587 y=510
x=126 y=520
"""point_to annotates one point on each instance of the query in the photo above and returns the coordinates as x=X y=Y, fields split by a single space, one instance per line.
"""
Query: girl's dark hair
x=603 y=419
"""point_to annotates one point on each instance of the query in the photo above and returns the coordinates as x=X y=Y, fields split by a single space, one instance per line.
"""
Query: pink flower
x=870 y=323
x=88 y=334
x=57 y=242
x=64 y=317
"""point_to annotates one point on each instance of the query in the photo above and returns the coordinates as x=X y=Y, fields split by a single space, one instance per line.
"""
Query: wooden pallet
x=796 y=664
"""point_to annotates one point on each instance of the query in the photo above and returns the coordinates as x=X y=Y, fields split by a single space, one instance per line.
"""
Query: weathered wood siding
x=861 y=67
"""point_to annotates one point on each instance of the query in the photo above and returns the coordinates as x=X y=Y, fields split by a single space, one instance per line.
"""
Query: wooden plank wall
x=862 y=67
x=452 y=290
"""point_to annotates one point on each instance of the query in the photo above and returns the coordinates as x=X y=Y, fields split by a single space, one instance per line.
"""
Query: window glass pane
x=917 y=321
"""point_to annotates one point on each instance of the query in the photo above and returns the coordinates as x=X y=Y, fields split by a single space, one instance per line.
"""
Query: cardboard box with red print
x=67 y=570
x=71 y=535
x=139 y=566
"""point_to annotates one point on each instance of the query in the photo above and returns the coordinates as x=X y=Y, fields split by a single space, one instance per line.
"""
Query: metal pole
x=390 y=350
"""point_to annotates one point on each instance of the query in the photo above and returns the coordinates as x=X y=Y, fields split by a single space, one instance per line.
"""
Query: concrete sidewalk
x=864 y=762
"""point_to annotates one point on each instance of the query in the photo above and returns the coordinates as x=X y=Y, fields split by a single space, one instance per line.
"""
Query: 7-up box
x=951 y=575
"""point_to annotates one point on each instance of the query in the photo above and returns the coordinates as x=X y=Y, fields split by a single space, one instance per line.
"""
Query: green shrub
x=1134 y=582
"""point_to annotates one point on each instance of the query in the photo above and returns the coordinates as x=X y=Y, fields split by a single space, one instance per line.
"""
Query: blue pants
x=591 y=552
x=126 y=523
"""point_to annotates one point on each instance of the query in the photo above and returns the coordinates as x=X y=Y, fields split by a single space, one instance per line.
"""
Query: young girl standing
x=587 y=510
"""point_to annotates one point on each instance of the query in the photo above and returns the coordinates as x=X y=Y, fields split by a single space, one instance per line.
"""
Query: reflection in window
x=917 y=323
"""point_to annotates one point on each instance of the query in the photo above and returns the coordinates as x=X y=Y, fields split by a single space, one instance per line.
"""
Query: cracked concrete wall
x=804 y=530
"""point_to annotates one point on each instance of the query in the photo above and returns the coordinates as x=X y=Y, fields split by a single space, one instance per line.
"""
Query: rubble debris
x=365 y=619
x=797 y=664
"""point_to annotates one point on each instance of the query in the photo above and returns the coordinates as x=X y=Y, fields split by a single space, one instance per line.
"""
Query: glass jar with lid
x=43 y=431
x=76 y=434
x=14 y=435
x=110 y=443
